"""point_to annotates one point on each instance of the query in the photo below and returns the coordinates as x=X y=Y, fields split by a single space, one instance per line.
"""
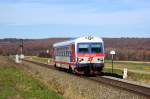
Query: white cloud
x=36 y=13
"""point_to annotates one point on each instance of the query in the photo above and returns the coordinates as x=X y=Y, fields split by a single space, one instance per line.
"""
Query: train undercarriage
x=89 y=68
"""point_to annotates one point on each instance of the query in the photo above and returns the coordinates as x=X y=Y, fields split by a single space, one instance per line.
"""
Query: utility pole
x=21 y=56
x=21 y=49
x=21 y=46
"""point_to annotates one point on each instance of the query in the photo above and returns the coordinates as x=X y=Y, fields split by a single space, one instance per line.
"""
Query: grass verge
x=16 y=84
x=116 y=72
x=40 y=59
x=145 y=67
x=145 y=78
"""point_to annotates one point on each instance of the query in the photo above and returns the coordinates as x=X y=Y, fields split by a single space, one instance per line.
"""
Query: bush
x=45 y=55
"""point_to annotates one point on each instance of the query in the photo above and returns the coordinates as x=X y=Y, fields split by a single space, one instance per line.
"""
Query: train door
x=73 y=53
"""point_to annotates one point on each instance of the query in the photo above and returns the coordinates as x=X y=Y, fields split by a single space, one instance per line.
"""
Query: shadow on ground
x=112 y=75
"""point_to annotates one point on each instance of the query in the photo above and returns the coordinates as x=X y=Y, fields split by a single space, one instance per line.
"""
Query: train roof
x=64 y=43
x=80 y=39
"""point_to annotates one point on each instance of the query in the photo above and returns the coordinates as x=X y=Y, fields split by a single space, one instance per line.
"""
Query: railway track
x=129 y=86
x=125 y=85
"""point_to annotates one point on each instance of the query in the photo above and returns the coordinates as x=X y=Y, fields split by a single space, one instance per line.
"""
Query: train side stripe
x=68 y=63
x=90 y=55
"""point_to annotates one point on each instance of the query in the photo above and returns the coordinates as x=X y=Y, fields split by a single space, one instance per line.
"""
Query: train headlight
x=100 y=59
x=80 y=59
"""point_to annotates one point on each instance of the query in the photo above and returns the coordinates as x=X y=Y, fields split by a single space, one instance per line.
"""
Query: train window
x=96 y=48
x=67 y=53
x=59 y=54
x=83 y=48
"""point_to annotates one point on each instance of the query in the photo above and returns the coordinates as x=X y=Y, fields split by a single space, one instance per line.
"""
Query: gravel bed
x=74 y=87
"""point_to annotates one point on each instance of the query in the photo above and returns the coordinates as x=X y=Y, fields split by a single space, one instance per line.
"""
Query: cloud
x=34 y=13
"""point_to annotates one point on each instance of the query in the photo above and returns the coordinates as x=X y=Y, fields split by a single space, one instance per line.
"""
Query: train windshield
x=83 y=48
x=90 y=48
x=96 y=48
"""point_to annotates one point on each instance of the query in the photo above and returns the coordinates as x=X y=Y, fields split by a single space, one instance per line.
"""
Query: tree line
x=136 y=49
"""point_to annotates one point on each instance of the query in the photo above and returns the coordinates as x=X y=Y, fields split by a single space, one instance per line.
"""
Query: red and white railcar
x=84 y=55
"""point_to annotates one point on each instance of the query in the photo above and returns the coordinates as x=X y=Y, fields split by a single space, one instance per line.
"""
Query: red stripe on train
x=68 y=63
x=90 y=55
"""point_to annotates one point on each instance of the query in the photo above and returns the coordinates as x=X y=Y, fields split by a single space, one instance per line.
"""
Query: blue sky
x=74 y=18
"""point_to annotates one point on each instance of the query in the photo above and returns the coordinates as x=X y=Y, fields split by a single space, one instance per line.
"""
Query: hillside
x=128 y=43
x=127 y=48
x=31 y=46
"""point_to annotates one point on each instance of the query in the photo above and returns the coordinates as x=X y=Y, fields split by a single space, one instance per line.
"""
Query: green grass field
x=16 y=84
x=137 y=71
x=39 y=59
x=130 y=65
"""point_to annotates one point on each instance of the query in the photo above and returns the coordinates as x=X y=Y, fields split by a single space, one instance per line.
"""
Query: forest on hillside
x=126 y=48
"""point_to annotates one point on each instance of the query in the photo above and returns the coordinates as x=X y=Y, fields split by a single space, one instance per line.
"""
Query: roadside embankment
x=18 y=84
x=74 y=87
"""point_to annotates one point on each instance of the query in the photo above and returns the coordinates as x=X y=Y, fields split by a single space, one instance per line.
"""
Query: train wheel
x=74 y=71
x=70 y=69
x=86 y=71
x=55 y=65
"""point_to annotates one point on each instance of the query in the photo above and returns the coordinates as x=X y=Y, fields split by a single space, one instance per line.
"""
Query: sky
x=74 y=18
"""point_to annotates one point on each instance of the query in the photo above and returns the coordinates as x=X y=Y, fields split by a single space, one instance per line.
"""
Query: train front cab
x=90 y=57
